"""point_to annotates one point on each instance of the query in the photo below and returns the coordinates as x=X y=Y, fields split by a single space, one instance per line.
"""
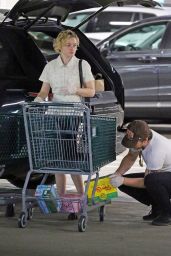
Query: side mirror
x=104 y=49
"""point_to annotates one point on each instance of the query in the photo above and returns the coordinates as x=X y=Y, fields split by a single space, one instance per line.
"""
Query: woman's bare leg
x=60 y=183
x=78 y=182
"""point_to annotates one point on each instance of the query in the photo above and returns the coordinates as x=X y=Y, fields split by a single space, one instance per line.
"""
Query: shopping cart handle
x=105 y=97
x=98 y=95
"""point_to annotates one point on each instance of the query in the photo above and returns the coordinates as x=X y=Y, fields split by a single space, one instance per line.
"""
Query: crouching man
x=154 y=186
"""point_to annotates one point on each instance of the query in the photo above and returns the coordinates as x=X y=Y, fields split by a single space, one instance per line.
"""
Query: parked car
x=21 y=63
x=102 y=25
x=141 y=53
x=111 y=19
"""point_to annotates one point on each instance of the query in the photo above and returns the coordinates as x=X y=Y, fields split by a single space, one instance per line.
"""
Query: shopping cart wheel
x=10 y=210
x=82 y=224
x=101 y=213
x=29 y=213
x=22 y=220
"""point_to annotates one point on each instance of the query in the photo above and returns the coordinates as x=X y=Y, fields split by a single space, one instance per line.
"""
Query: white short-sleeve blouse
x=67 y=77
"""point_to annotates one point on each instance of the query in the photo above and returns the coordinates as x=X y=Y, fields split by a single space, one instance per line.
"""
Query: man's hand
x=116 y=180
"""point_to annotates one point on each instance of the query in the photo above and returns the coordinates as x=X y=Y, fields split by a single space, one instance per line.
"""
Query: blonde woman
x=62 y=76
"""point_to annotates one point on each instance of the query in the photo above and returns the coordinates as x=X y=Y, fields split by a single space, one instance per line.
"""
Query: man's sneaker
x=162 y=220
x=151 y=215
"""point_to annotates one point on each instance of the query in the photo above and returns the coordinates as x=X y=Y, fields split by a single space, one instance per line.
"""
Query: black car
x=141 y=53
x=21 y=63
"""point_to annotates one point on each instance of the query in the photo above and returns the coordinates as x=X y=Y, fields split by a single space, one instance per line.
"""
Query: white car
x=111 y=19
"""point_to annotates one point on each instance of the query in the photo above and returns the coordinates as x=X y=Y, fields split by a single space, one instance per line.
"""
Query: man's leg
x=158 y=186
x=140 y=194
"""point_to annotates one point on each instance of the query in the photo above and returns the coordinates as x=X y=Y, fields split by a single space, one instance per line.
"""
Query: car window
x=76 y=18
x=144 y=37
x=103 y=22
x=152 y=42
x=140 y=16
x=135 y=17
x=155 y=45
x=147 y=15
x=111 y=21
x=43 y=41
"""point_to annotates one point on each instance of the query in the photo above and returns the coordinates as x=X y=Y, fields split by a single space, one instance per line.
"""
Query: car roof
x=158 y=11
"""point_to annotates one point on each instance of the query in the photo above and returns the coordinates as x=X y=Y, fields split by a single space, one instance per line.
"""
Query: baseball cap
x=140 y=131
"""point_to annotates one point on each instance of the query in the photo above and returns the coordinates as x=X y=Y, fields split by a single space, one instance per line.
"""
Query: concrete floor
x=123 y=233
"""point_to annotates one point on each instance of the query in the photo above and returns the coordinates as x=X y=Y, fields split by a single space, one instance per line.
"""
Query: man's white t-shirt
x=67 y=77
x=157 y=154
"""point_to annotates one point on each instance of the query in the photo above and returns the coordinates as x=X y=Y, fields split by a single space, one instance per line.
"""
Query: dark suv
x=21 y=63
x=141 y=53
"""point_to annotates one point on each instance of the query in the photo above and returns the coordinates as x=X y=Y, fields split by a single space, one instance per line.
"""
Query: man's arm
x=127 y=162
x=134 y=182
x=117 y=179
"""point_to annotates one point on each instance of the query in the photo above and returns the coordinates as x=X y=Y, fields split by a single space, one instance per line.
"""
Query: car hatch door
x=60 y=9
x=51 y=8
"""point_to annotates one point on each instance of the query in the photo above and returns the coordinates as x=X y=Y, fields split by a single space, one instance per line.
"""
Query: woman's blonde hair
x=62 y=37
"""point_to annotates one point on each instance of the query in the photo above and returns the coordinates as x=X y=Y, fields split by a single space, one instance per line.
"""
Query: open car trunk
x=22 y=62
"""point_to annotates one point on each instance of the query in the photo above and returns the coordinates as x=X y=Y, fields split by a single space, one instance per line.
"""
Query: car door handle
x=147 y=59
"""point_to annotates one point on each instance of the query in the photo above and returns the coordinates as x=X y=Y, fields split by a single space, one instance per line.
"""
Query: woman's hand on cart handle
x=38 y=99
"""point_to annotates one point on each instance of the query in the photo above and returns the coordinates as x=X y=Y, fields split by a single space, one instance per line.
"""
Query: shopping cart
x=12 y=148
x=8 y=199
x=10 y=196
x=66 y=138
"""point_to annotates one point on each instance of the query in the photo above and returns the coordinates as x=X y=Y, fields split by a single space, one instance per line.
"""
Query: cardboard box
x=48 y=199
x=72 y=203
x=104 y=190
